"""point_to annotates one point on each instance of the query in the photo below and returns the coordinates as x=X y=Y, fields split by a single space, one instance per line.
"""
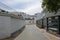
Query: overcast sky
x=28 y=6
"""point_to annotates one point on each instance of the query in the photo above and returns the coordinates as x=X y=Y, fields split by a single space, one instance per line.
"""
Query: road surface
x=31 y=32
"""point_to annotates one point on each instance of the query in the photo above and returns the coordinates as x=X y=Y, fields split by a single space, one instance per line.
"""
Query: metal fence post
x=47 y=25
x=59 y=25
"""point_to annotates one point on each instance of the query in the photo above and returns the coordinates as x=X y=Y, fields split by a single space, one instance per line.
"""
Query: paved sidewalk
x=31 y=32
x=48 y=35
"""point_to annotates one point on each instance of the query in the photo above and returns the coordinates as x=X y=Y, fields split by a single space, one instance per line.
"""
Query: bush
x=39 y=25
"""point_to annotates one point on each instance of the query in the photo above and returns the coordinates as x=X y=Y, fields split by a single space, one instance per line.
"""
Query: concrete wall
x=5 y=26
x=9 y=25
x=16 y=24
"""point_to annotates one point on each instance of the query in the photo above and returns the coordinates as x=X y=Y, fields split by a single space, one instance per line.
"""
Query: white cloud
x=12 y=2
x=32 y=10
x=32 y=7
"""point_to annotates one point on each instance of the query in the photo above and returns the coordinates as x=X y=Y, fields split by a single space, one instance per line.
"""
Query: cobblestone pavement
x=31 y=32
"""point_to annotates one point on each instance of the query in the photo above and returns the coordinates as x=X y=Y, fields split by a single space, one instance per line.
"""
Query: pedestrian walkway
x=31 y=32
x=48 y=35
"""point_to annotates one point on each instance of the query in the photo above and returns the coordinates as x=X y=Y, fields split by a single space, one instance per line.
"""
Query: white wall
x=9 y=25
x=4 y=26
x=16 y=24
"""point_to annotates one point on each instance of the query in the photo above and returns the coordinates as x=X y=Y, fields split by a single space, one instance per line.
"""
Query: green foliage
x=39 y=25
x=51 y=5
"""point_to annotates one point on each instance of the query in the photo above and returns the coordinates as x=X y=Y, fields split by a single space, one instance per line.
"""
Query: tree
x=51 y=5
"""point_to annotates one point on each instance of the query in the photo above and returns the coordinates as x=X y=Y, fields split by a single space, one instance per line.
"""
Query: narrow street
x=31 y=32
